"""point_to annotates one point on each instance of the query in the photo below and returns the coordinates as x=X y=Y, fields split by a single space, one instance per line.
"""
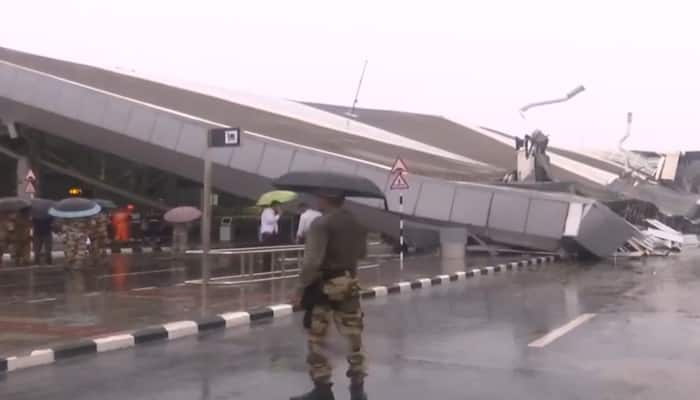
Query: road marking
x=143 y=288
x=561 y=331
x=46 y=300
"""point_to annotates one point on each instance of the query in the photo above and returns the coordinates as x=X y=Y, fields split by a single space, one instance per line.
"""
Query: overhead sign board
x=225 y=137
x=399 y=183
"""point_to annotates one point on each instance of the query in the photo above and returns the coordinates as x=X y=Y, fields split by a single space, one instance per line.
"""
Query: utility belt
x=314 y=295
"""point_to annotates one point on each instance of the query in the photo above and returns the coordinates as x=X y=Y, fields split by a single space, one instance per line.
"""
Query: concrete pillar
x=453 y=250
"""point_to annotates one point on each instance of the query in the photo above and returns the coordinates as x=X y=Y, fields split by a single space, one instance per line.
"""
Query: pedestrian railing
x=275 y=256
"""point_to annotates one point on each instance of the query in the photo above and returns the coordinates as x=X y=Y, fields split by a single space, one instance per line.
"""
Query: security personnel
x=99 y=237
x=330 y=293
x=21 y=237
x=76 y=240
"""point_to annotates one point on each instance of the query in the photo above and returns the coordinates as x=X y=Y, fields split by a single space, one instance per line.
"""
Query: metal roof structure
x=164 y=124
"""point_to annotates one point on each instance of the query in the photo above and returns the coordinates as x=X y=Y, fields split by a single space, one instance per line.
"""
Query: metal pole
x=206 y=217
x=357 y=93
x=401 y=242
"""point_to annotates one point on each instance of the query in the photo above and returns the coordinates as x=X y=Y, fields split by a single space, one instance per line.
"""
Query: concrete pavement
x=465 y=340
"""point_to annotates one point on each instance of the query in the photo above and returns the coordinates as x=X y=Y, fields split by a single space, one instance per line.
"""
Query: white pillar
x=453 y=249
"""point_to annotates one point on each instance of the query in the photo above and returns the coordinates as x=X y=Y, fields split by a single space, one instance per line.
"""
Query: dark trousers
x=43 y=244
x=268 y=239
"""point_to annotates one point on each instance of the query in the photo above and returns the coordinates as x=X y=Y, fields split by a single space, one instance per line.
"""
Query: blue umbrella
x=75 y=207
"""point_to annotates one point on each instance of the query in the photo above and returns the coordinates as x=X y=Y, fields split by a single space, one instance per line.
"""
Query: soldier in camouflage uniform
x=335 y=243
x=99 y=237
x=75 y=243
x=21 y=238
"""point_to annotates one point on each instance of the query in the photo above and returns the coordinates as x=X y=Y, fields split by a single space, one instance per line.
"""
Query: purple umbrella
x=182 y=215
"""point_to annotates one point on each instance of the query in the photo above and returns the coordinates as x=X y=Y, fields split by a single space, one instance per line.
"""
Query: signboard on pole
x=399 y=167
x=30 y=188
x=224 y=137
x=399 y=183
x=30 y=176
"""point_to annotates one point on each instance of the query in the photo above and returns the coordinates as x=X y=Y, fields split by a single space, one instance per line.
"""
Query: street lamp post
x=568 y=97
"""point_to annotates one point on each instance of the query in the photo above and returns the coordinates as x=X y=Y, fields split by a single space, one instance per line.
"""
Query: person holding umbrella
x=75 y=214
x=9 y=234
x=182 y=219
x=329 y=290
x=99 y=231
x=42 y=231
x=21 y=237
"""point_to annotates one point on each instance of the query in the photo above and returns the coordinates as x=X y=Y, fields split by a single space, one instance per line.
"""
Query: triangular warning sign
x=30 y=176
x=399 y=183
x=399 y=166
x=30 y=189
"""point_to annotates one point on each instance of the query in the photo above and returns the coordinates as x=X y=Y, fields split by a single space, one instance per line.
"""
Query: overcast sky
x=476 y=61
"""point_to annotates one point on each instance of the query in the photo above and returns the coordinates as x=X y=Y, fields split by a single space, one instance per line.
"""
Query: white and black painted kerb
x=179 y=329
x=116 y=250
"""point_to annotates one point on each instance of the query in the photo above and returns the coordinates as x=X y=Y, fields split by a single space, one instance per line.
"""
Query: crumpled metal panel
x=602 y=231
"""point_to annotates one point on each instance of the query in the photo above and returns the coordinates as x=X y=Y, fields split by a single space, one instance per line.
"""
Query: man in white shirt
x=307 y=216
x=269 y=223
x=269 y=230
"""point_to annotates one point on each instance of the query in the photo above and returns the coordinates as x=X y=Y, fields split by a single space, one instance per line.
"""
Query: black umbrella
x=13 y=204
x=40 y=208
x=315 y=182
x=75 y=207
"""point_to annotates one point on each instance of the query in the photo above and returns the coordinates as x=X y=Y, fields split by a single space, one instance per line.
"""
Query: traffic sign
x=30 y=189
x=399 y=167
x=225 y=137
x=30 y=177
x=399 y=183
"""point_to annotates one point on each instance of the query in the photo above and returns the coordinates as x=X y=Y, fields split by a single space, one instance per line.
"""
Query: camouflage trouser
x=347 y=315
x=74 y=253
x=21 y=252
x=97 y=250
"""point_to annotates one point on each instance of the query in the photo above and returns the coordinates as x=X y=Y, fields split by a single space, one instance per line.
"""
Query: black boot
x=321 y=391
x=357 y=391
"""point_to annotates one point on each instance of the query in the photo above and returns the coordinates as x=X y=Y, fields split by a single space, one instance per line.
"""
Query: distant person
x=43 y=239
x=269 y=224
x=122 y=224
x=307 y=215
x=99 y=237
x=21 y=237
x=269 y=230
x=76 y=242
x=180 y=238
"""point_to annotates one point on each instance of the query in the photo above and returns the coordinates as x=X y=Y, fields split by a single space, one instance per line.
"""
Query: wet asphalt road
x=466 y=340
